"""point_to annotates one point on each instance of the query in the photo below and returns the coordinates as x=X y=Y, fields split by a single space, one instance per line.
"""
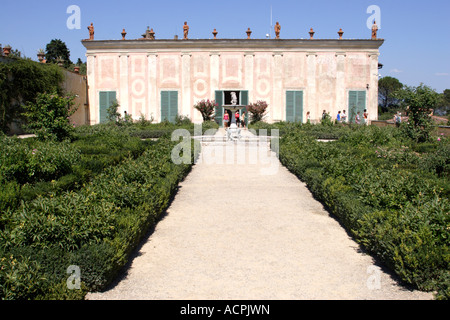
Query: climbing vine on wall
x=20 y=82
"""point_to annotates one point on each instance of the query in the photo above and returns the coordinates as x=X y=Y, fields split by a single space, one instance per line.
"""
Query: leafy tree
x=16 y=54
x=258 y=111
x=49 y=116
x=444 y=106
x=20 y=82
x=112 y=113
x=386 y=88
x=420 y=101
x=206 y=108
x=56 y=50
x=447 y=97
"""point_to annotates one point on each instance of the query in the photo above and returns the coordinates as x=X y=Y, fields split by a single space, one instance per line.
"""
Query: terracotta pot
x=6 y=51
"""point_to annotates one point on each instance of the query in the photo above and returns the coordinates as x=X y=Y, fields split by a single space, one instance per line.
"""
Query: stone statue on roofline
x=149 y=34
x=185 y=31
x=277 y=30
x=374 y=30
x=91 y=31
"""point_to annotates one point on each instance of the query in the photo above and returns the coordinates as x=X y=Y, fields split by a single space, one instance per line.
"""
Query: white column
x=278 y=102
x=214 y=72
x=372 y=100
x=185 y=109
x=341 y=99
x=93 y=98
x=124 y=84
x=152 y=101
x=311 y=86
x=249 y=69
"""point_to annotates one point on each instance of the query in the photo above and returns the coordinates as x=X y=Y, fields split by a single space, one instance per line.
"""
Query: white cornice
x=224 y=45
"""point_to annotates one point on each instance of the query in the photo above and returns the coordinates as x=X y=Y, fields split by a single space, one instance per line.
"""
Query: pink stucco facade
x=325 y=71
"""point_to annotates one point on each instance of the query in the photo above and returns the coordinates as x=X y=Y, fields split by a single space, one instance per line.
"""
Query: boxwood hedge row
x=95 y=227
x=391 y=198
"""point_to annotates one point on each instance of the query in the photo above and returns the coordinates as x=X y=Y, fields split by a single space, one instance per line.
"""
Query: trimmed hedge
x=29 y=168
x=393 y=200
x=95 y=228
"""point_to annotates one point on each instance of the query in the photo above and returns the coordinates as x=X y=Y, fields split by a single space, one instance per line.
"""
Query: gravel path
x=235 y=233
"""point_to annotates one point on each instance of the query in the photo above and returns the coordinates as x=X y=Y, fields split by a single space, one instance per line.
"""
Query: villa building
x=162 y=79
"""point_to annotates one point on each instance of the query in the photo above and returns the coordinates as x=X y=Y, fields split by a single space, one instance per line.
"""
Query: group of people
x=240 y=119
x=342 y=117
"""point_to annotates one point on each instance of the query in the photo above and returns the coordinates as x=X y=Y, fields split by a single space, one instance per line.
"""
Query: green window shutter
x=169 y=106
x=290 y=99
x=165 y=104
x=298 y=106
x=219 y=109
x=103 y=106
x=107 y=98
x=356 y=102
x=361 y=101
x=244 y=98
x=294 y=106
x=173 y=107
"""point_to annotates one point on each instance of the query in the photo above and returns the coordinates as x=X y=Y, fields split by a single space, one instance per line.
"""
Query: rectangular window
x=356 y=103
x=294 y=106
x=169 y=106
x=221 y=100
x=107 y=98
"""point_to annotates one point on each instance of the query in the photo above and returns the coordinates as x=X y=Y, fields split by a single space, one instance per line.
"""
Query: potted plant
x=41 y=55
x=7 y=50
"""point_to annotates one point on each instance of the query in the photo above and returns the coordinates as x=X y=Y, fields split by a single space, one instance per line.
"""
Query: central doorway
x=224 y=100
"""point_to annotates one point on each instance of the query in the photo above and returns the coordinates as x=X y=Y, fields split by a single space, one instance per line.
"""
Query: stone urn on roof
x=6 y=50
x=41 y=55
x=249 y=33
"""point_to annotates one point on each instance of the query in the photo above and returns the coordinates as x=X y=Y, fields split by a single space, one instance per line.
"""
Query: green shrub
x=41 y=161
x=96 y=227
x=20 y=278
x=49 y=116
x=391 y=198
x=20 y=81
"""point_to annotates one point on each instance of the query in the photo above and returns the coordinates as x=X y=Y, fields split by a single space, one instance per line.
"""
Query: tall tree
x=447 y=97
x=444 y=105
x=57 y=49
x=386 y=88
x=420 y=102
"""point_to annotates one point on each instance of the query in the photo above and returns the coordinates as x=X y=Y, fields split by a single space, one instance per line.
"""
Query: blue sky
x=417 y=33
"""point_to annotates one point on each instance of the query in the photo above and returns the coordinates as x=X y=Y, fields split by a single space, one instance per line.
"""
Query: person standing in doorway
x=243 y=119
x=226 y=119
x=236 y=115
